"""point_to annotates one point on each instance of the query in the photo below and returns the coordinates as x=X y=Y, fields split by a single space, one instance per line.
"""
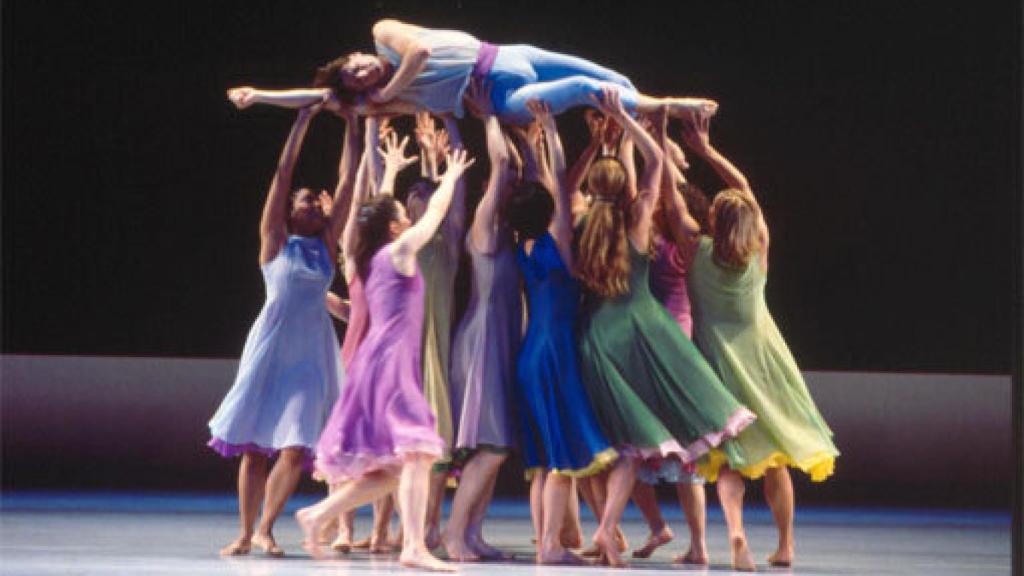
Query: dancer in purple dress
x=381 y=434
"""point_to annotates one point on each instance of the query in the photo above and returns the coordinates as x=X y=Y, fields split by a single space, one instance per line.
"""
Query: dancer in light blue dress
x=290 y=373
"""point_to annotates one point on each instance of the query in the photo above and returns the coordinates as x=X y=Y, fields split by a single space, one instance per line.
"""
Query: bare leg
x=283 y=479
x=778 y=491
x=692 y=501
x=348 y=496
x=678 y=107
x=620 y=487
x=382 y=511
x=436 y=499
x=550 y=549
x=475 y=533
x=572 y=532
x=252 y=478
x=537 y=504
x=646 y=500
x=346 y=527
x=476 y=478
x=413 y=496
x=730 y=494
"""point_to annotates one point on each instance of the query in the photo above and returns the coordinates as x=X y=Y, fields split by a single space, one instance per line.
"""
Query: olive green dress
x=734 y=329
x=653 y=393
x=439 y=262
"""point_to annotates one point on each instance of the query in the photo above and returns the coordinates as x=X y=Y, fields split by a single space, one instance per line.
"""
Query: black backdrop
x=882 y=138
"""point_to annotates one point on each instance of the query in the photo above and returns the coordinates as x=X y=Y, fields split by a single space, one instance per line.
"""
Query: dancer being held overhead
x=290 y=371
x=734 y=329
x=656 y=398
x=418 y=68
x=381 y=434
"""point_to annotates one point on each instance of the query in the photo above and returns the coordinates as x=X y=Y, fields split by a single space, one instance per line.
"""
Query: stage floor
x=44 y=534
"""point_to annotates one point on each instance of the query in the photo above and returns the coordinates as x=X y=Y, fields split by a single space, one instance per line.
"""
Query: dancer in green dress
x=734 y=329
x=654 y=395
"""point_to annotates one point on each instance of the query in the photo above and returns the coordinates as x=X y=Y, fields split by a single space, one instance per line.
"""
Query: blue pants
x=521 y=73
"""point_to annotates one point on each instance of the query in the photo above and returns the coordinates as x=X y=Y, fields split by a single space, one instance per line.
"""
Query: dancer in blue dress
x=290 y=371
x=418 y=68
x=560 y=437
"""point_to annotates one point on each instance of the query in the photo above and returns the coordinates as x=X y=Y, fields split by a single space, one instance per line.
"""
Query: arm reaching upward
x=395 y=161
x=347 y=168
x=456 y=219
x=483 y=235
x=348 y=235
x=410 y=241
x=683 y=229
x=274 y=222
x=561 y=222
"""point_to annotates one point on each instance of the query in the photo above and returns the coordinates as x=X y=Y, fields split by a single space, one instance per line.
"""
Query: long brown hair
x=603 y=260
x=734 y=227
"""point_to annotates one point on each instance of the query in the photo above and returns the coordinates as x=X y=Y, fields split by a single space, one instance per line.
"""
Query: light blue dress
x=291 y=372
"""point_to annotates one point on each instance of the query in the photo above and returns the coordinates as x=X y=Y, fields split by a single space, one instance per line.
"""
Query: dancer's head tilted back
x=528 y=210
x=603 y=259
x=734 y=229
x=378 y=222
x=305 y=213
x=351 y=75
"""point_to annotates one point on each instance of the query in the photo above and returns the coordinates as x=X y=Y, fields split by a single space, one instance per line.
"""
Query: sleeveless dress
x=668 y=282
x=440 y=86
x=382 y=414
x=484 y=353
x=439 y=262
x=740 y=339
x=358 y=321
x=654 y=394
x=290 y=371
x=558 y=430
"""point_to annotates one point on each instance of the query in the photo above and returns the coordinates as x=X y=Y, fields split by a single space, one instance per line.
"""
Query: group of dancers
x=594 y=381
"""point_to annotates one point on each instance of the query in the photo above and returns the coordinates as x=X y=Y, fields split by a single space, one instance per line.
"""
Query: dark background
x=881 y=137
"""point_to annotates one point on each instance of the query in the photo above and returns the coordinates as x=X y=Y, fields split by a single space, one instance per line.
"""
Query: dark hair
x=329 y=76
x=373 y=222
x=417 y=196
x=696 y=203
x=528 y=210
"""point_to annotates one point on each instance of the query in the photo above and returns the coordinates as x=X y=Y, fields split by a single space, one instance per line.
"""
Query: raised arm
x=401 y=38
x=361 y=193
x=483 y=235
x=649 y=183
x=683 y=229
x=274 y=222
x=456 y=219
x=395 y=160
x=426 y=139
x=348 y=166
x=403 y=252
x=574 y=178
x=561 y=221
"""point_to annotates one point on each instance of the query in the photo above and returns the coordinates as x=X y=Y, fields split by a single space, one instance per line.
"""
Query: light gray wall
x=145 y=418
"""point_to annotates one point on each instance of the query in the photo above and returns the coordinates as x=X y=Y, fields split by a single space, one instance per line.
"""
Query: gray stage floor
x=118 y=534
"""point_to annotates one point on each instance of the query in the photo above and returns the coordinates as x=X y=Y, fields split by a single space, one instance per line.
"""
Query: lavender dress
x=483 y=369
x=382 y=413
x=290 y=371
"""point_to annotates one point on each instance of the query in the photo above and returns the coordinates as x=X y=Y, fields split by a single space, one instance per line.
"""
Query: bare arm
x=274 y=222
x=683 y=228
x=456 y=219
x=348 y=235
x=338 y=307
x=399 y=37
x=561 y=222
x=628 y=159
x=245 y=96
x=405 y=247
x=395 y=161
x=483 y=234
x=426 y=139
x=347 y=168
x=574 y=178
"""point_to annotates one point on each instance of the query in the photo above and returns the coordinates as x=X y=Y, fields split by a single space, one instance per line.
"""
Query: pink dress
x=358 y=321
x=668 y=282
x=382 y=414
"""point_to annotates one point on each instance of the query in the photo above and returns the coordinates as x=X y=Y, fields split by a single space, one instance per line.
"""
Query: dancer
x=650 y=386
x=424 y=69
x=290 y=372
x=484 y=353
x=734 y=329
x=560 y=438
x=381 y=434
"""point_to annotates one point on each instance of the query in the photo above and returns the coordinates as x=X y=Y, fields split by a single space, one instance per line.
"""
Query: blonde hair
x=734 y=227
x=603 y=260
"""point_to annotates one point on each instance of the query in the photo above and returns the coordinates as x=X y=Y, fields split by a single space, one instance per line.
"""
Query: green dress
x=734 y=329
x=653 y=393
x=439 y=262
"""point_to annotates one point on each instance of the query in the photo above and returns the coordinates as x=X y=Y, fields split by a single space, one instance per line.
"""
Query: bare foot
x=485 y=551
x=742 y=560
x=268 y=544
x=361 y=544
x=610 y=549
x=425 y=560
x=381 y=548
x=620 y=538
x=310 y=528
x=433 y=537
x=239 y=547
x=692 y=557
x=458 y=550
x=592 y=552
x=342 y=544
x=571 y=536
x=690 y=107
x=654 y=541
x=560 y=557
x=782 y=558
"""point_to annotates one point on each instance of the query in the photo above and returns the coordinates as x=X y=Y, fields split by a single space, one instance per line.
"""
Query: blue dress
x=557 y=424
x=290 y=373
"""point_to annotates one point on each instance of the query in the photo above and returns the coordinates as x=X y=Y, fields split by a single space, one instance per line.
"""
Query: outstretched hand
x=696 y=133
x=242 y=97
x=457 y=162
x=478 y=98
x=326 y=203
x=393 y=152
x=541 y=113
x=610 y=102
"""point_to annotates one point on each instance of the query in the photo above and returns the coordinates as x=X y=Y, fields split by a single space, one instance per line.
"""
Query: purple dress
x=382 y=413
